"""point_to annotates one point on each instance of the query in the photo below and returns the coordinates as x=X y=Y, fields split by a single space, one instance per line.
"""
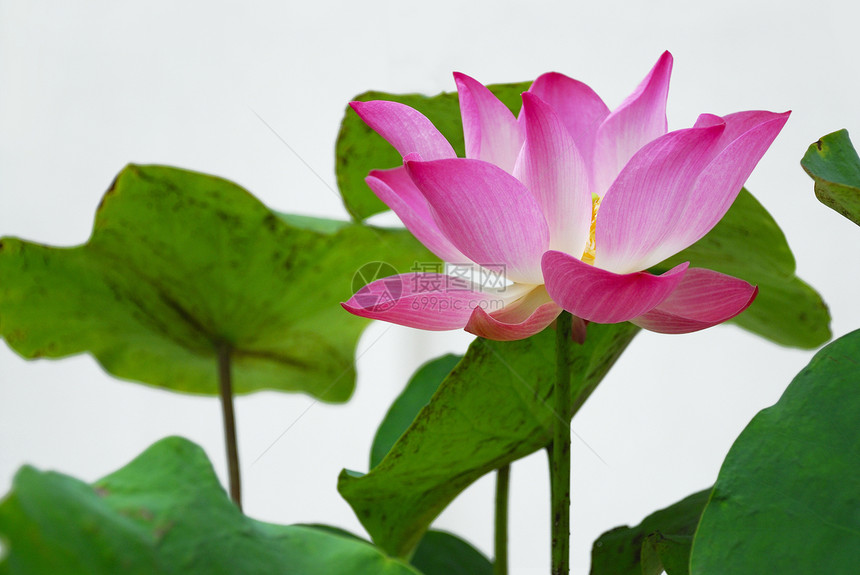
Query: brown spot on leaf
x=162 y=530
x=110 y=191
x=271 y=222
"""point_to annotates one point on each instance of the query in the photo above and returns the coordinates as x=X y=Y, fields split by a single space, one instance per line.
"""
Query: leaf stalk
x=225 y=391
x=560 y=455
x=500 y=561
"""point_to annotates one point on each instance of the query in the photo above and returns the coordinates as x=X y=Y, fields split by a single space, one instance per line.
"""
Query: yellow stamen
x=588 y=254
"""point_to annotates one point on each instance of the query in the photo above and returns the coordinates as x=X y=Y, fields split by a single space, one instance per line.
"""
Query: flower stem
x=503 y=479
x=560 y=469
x=225 y=390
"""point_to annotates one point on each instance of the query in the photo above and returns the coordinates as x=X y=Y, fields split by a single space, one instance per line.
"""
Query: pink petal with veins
x=418 y=300
x=638 y=214
x=704 y=298
x=408 y=130
x=491 y=131
x=486 y=213
x=580 y=109
x=744 y=141
x=601 y=296
x=518 y=320
x=552 y=169
x=638 y=120
x=660 y=205
x=395 y=188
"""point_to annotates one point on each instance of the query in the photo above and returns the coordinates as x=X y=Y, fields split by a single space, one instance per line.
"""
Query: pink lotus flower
x=571 y=200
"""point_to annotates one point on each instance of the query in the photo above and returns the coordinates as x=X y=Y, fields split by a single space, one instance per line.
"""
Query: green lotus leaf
x=443 y=553
x=417 y=393
x=833 y=163
x=492 y=409
x=787 y=497
x=181 y=265
x=162 y=514
x=661 y=542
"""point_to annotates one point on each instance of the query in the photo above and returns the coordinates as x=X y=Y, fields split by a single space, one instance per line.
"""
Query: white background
x=86 y=87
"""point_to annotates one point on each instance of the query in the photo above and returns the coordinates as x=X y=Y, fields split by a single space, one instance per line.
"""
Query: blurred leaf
x=661 y=541
x=438 y=553
x=670 y=555
x=442 y=553
x=331 y=529
x=359 y=149
x=491 y=410
x=748 y=244
x=405 y=408
x=787 y=499
x=180 y=263
x=833 y=163
x=163 y=513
